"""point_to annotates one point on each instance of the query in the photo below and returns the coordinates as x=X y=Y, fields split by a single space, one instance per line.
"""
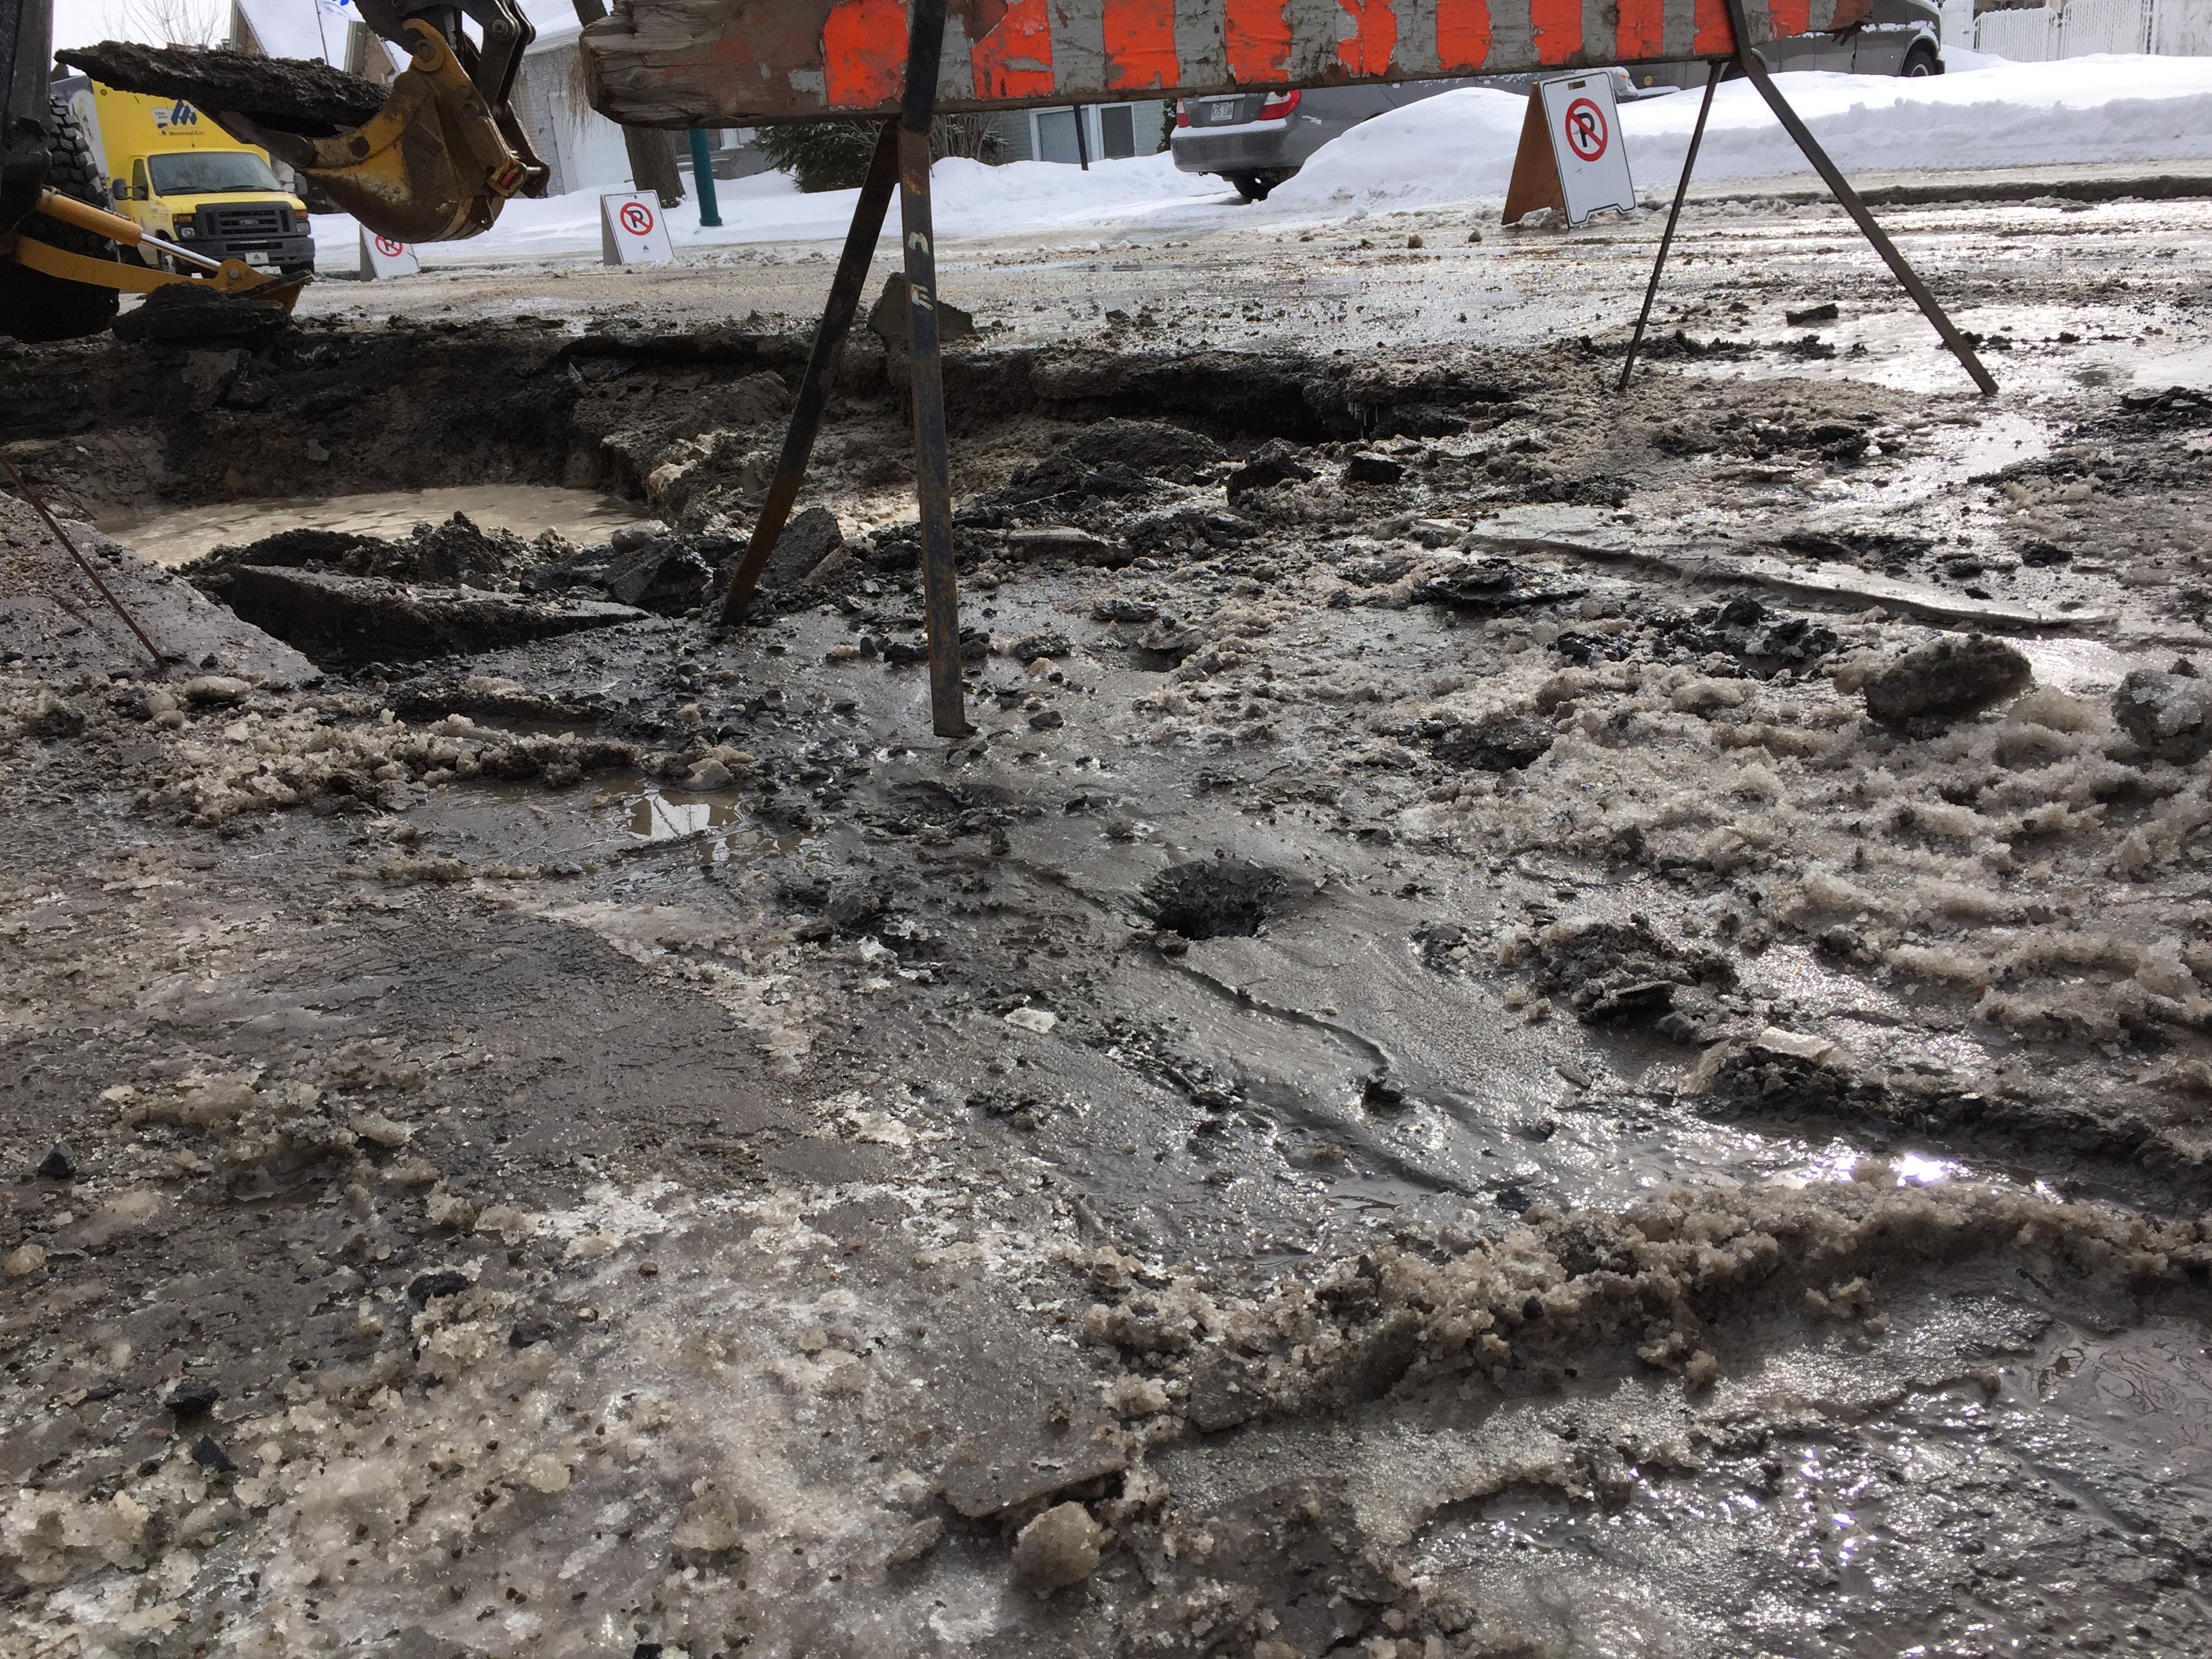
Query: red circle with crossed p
x=1585 y=130
x=388 y=248
x=636 y=218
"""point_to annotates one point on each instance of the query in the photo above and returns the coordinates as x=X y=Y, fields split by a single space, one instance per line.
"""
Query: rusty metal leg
x=932 y=480
x=83 y=564
x=1667 y=236
x=821 y=368
x=1832 y=176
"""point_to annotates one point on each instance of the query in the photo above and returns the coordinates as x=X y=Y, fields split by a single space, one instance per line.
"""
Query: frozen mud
x=1534 y=1023
x=287 y=95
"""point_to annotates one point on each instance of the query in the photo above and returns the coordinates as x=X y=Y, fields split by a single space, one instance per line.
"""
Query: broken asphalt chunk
x=2170 y=714
x=1274 y=462
x=1057 y=1549
x=1493 y=585
x=211 y=1456
x=916 y=1541
x=191 y=1396
x=1366 y=469
x=1011 y=1478
x=1618 y=970
x=331 y=615
x=1930 y=686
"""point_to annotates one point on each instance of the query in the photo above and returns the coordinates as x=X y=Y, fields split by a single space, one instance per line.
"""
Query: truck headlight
x=185 y=233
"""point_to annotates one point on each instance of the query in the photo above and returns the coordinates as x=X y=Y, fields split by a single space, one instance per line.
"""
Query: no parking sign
x=1586 y=142
x=634 y=232
x=382 y=257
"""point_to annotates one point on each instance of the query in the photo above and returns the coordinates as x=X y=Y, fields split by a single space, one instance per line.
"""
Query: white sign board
x=382 y=257
x=1587 y=143
x=632 y=231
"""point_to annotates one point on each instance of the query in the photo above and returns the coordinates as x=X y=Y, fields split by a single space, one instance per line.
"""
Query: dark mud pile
x=454 y=554
x=288 y=95
x=1447 y=1071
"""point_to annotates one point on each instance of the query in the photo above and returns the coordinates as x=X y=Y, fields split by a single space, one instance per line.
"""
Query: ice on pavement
x=1458 y=147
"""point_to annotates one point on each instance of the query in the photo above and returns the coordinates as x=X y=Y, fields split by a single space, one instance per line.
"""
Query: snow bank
x=970 y=199
x=1458 y=147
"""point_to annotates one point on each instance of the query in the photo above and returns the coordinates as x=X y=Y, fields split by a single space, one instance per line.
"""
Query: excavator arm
x=442 y=156
x=432 y=157
x=445 y=153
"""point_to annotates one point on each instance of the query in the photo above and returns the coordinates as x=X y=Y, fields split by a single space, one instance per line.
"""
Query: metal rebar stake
x=1667 y=236
x=83 y=564
x=838 y=315
x=932 y=482
x=1755 y=68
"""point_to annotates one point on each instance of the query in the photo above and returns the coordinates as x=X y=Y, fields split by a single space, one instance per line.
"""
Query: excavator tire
x=33 y=304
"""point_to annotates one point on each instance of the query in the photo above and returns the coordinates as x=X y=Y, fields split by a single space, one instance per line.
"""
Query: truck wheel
x=33 y=304
x=1921 y=60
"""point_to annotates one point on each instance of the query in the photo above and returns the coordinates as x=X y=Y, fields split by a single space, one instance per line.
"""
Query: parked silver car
x=1902 y=37
x=1256 y=140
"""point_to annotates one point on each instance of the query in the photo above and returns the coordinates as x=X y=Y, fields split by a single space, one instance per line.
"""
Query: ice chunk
x=547 y=1474
x=1059 y=1547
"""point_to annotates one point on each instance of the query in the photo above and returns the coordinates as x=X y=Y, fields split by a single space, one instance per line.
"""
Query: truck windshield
x=205 y=172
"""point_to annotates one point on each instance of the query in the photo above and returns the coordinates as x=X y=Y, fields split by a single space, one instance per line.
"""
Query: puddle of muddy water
x=653 y=815
x=176 y=537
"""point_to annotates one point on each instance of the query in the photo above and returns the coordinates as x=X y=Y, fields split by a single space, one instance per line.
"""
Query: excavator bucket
x=437 y=162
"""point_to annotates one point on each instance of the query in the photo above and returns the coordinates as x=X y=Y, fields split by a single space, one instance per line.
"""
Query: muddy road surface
x=1534 y=1023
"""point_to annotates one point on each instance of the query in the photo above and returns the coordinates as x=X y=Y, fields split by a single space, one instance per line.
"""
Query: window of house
x=1109 y=133
x=1055 y=135
x=1117 y=131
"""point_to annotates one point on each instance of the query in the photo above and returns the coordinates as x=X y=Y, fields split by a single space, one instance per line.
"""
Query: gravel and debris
x=1524 y=1028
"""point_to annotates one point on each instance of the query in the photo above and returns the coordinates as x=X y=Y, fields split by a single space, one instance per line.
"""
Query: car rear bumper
x=1252 y=146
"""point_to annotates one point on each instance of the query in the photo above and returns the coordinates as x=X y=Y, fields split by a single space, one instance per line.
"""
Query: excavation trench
x=1430 y=1045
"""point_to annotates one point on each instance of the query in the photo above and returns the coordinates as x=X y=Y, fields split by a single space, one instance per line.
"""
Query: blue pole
x=702 y=180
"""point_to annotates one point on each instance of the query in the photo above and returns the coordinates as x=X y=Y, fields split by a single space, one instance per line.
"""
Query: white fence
x=2180 y=28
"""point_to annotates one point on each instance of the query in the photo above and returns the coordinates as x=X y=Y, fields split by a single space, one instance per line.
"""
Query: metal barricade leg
x=932 y=474
x=821 y=368
x=1667 y=236
x=1832 y=176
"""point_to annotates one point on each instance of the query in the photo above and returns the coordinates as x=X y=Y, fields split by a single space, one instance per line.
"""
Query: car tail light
x=1182 y=112
x=1280 y=106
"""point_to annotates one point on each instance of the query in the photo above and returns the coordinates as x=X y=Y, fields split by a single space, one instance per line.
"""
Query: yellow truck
x=179 y=176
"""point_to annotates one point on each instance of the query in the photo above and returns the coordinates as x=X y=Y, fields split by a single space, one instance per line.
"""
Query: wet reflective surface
x=176 y=536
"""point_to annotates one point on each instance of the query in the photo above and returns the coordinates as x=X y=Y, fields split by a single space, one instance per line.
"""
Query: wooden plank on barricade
x=739 y=62
x=1535 y=181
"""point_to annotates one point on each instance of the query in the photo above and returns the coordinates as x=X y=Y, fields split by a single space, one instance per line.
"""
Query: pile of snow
x=1458 y=147
x=1454 y=147
x=968 y=199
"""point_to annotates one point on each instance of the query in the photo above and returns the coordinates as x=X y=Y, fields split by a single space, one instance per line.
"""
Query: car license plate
x=1221 y=112
x=256 y=259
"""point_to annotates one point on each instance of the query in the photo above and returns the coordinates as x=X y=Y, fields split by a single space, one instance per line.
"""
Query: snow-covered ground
x=1458 y=147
